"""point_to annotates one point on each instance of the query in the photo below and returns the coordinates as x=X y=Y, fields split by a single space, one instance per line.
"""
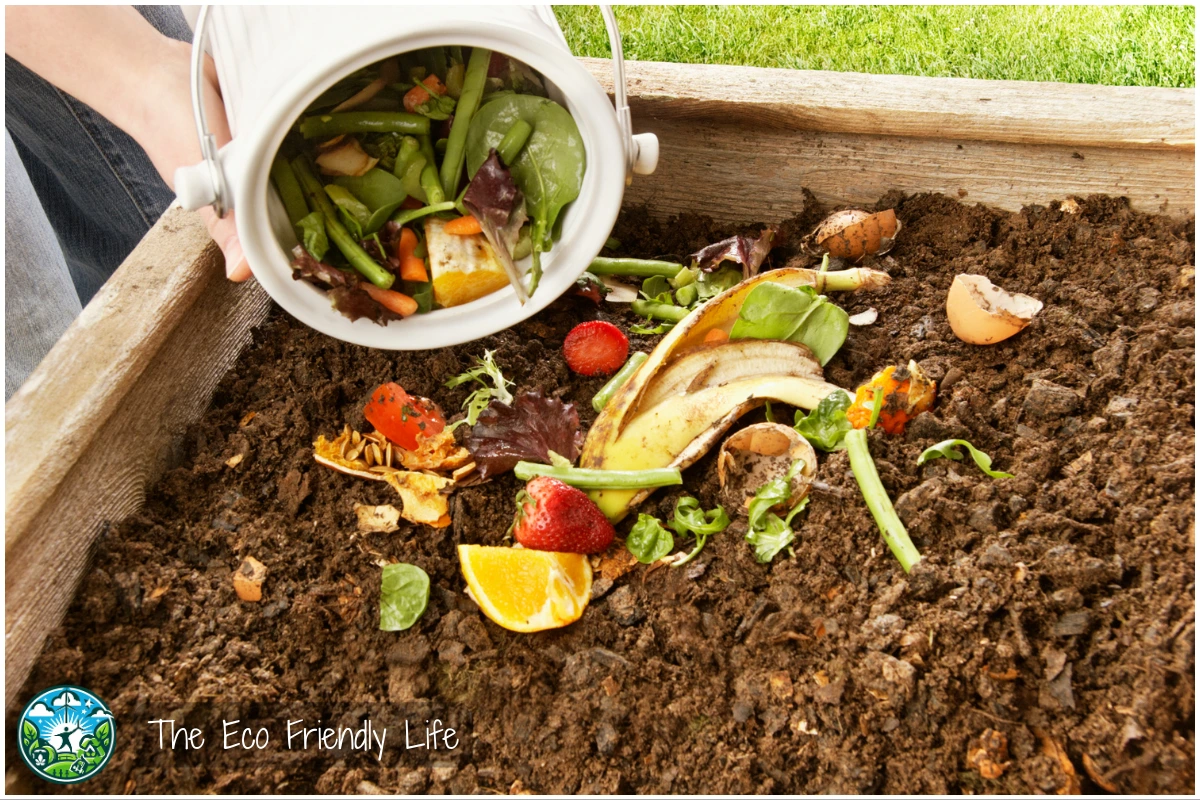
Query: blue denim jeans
x=70 y=171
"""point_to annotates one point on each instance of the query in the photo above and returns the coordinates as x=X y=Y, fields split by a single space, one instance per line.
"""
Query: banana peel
x=730 y=361
x=719 y=312
x=681 y=429
x=631 y=434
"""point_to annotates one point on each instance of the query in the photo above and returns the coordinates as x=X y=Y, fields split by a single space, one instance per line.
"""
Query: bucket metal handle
x=208 y=142
x=634 y=159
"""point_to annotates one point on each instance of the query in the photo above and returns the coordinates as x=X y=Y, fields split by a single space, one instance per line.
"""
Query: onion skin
x=854 y=234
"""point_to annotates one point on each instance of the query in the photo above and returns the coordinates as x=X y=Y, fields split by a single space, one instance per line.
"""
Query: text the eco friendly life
x=299 y=736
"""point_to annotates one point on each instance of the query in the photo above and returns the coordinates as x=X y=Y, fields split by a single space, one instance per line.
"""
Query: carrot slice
x=408 y=243
x=413 y=269
x=417 y=96
x=463 y=226
x=716 y=336
x=395 y=302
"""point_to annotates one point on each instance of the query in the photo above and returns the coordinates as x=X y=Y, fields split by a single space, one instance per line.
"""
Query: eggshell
x=983 y=313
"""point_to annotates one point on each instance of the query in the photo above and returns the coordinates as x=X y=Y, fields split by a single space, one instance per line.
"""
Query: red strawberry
x=595 y=348
x=557 y=517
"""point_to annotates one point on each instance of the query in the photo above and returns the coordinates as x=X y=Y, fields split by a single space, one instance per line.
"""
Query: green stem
x=513 y=141
x=877 y=499
x=408 y=215
x=653 y=310
x=468 y=103
x=358 y=258
x=289 y=190
x=601 y=478
x=326 y=126
x=634 y=267
x=617 y=381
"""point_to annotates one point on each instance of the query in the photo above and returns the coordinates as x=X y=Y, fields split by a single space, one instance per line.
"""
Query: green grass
x=1113 y=45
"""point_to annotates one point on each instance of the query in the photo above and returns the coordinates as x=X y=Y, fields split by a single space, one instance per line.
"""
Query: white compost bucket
x=273 y=61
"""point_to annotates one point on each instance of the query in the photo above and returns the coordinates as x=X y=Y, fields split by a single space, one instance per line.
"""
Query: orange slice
x=527 y=590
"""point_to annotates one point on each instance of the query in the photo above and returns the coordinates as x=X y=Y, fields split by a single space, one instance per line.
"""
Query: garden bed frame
x=101 y=416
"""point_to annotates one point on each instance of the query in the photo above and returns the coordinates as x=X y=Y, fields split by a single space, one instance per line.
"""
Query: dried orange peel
x=438 y=452
x=423 y=492
x=904 y=393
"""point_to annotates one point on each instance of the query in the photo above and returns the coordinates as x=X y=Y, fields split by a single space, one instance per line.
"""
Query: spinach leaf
x=403 y=596
x=548 y=170
x=312 y=231
x=774 y=311
x=649 y=540
x=827 y=425
x=656 y=289
x=947 y=449
x=768 y=533
x=380 y=191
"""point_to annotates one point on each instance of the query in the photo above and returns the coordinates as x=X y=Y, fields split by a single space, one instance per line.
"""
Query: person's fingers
x=223 y=231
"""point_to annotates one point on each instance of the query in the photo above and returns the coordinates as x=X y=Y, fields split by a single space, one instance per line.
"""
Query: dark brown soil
x=1056 y=608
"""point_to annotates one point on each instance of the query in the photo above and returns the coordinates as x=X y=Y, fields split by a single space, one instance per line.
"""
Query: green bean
x=686 y=295
x=473 y=84
x=408 y=215
x=433 y=189
x=289 y=190
x=513 y=141
x=428 y=151
x=358 y=258
x=325 y=126
x=410 y=148
x=582 y=478
x=663 y=311
x=617 y=381
x=634 y=267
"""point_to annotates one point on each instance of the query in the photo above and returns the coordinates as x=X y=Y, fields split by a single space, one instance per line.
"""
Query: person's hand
x=166 y=129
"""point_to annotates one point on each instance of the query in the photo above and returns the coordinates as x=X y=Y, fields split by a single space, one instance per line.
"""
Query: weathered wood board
x=95 y=423
x=742 y=143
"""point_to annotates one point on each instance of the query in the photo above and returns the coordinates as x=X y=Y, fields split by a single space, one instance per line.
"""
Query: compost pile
x=1044 y=643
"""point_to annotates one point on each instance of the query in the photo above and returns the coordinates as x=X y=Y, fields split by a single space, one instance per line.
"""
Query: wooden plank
x=92 y=427
x=1069 y=115
x=742 y=143
x=704 y=168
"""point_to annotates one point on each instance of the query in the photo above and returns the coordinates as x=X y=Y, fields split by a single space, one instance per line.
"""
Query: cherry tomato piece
x=401 y=417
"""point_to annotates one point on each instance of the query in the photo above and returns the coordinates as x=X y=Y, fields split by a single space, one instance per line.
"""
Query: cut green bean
x=514 y=141
x=408 y=215
x=410 y=148
x=427 y=150
x=431 y=185
x=326 y=126
x=662 y=311
x=893 y=530
x=686 y=295
x=468 y=103
x=601 y=478
x=634 y=267
x=617 y=381
x=289 y=190
x=358 y=258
